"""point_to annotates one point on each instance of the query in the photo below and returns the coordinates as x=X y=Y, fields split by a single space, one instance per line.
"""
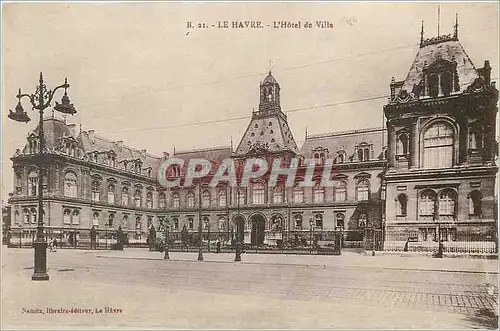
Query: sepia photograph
x=249 y=165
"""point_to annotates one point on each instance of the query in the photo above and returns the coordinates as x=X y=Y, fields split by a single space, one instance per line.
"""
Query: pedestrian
x=218 y=245
x=54 y=244
x=50 y=245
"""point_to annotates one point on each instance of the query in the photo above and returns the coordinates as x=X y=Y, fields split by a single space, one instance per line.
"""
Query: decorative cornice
x=203 y=150
x=438 y=40
x=347 y=132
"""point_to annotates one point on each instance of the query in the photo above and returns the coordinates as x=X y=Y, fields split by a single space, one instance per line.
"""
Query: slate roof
x=272 y=133
x=346 y=141
x=269 y=79
x=450 y=50
x=215 y=154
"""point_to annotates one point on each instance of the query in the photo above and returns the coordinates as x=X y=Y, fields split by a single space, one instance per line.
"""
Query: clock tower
x=268 y=131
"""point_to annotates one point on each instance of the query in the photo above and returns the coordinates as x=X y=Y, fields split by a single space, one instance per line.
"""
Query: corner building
x=441 y=162
x=430 y=174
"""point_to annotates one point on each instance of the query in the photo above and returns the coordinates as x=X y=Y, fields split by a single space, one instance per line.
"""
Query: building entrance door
x=258 y=230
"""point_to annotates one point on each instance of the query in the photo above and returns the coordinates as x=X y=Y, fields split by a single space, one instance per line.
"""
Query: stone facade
x=432 y=170
x=441 y=157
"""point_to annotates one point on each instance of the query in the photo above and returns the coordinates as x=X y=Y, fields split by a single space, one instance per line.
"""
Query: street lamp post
x=311 y=224
x=208 y=229
x=200 y=233
x=436 y=219
x=41 y=100
x=166 y=224
x=237 y=257
x=106 y=234
x=20 y=234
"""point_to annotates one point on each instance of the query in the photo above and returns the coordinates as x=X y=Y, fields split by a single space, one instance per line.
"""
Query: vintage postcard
x=249 y=165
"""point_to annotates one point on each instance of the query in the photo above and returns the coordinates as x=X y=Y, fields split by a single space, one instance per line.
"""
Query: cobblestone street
x=348 y=291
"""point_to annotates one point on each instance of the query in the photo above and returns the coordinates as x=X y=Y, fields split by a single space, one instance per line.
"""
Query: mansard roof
x=346 y=141
x=215 y=154
x=267 y=134
x=437 y=49
x=94 y=143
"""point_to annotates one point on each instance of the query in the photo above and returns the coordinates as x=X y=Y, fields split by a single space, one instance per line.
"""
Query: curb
x=302 y=265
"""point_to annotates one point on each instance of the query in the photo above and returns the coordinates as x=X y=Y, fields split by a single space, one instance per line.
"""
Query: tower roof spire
x=439 y=18
x=455 y=34
x=422 y=34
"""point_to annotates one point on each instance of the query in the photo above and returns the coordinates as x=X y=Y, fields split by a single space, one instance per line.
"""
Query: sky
x=138 y=74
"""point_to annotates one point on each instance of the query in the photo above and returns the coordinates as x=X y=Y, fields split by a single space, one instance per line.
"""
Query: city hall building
x=429 y=174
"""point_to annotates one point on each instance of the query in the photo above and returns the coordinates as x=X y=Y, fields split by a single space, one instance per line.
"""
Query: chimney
x=119 y=143
x=72 y=129
x=165 y=155
x=143 y=152
x=91 y=134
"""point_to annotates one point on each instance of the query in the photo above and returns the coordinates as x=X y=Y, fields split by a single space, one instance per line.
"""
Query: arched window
x=175 y=221
x=175 y=200
x=16 y=217
x=360 y=155
x=111 y=193
x=70 y=184
x=205 y=198
x=402 y=202
x=402 y=145
x=367 y=154
x=206 y=223
x=137 y=198
x=258 y=194
x=222 y=198
x=32 y=183
x=190 y=200
x=340 y=219
x=162 y=202
x=362 y=220
x=341 y=191
x=138 y=224
x=75 y=219
x=190 y=223
x=433 y=81
x=125 y=196
x=475 y=207
x=26 y=216
x=319 y=194
x=67 y=216
x=149 y=222
x=111 y=219
x=438 y=146
x=426 y=203
x=318 y=220
x=95 y=219
x=33 y=215
x=298 y=194
x=222 y=223
x=125 y=222
x=341 y=157
x=446 y=83
x=96 y=188
x=447 y=199
x=149 y=200
x=278 y=194
x=242 y=196
x=363 y=190
x=298 y=221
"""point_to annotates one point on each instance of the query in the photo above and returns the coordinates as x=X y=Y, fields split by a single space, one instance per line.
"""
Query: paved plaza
x=137 y=288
